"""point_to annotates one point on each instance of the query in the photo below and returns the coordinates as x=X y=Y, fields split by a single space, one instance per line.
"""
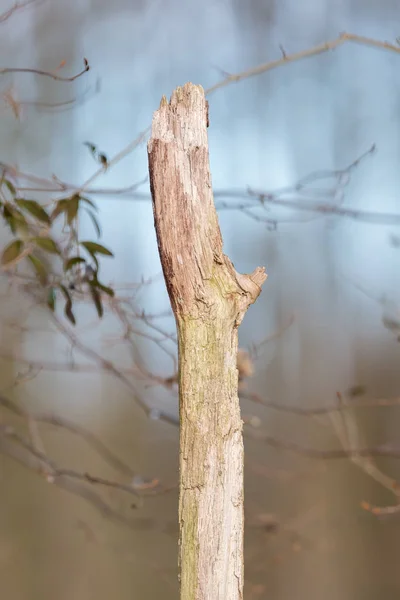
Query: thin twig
x=327 y=209
x=63 y=423
x=17 y=7
x=77 y=488
x=290 y=58
x=386 y=450
x=304 y=411
x=54 y=76
x=349 y=435
x=341 y=39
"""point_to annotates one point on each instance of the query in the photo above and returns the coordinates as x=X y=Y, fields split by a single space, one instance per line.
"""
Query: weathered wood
x=209 y=299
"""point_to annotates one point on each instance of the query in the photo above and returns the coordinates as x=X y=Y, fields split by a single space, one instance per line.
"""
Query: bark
x=209 y=299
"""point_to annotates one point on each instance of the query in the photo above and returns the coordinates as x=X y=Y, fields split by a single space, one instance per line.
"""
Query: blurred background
x=327 y=320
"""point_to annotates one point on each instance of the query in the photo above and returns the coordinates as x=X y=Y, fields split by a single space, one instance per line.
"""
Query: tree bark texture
x=209 y=299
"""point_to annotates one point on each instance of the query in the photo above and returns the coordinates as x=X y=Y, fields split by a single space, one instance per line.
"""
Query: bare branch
x=33 y=458
x=254 y=348
x=17 y=106
x=69 y=484
x=61 y=422
x=326 y=209
x=17 y=7
x=386 y=450
x=320 y=410
x=289 y=58
x=343 y=38
x=109 y=367
x=141 y=138
x=54 y=76
x=300 y=196
x=381 y=511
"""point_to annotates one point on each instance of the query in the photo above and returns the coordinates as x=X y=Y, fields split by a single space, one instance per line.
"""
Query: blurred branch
x=303 y=411
x=100 y=364
x=256 y=199
x=138 y=483
x=104 y=364
x=60 y=367
x=53 y=472
x=254 y=348
x=17 y=106
x=348 y=433
x=390 y=316
x=300 y=196
x=37 y=442
x=289 y=58
x=17 y=7
x=324 y=209
x=62 y=423
x=141 y=138
x=381 y=511
x=15 y=446
x=29 y=460
x=385 y=450
x=18 y=448
x=32 y=454
x=50 y=74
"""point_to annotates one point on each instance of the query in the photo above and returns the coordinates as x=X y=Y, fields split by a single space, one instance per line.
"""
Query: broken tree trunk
x=209 y=299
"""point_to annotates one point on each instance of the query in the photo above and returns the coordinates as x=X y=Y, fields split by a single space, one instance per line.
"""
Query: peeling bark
x=209 y=299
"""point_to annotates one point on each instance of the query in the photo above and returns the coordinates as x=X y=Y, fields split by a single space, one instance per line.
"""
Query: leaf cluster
x=63 y=265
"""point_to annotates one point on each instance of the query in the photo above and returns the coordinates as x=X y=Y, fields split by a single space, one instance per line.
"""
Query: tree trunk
x=209 y=299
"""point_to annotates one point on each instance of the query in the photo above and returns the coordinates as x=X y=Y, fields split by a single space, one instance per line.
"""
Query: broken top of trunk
x=189 y=239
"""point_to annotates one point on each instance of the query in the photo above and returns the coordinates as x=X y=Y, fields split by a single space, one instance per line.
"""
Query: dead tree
x=209 y=299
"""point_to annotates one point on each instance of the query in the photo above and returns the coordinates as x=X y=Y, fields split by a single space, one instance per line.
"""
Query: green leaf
x=61 y=206
x=18 y=227
x=34 y=209
x=96 y=263
x=357 y=390
x=39 y=267
x=95 y=222
x=94 y=248
x=92 y=148
x=12 y=252
x=10 y=187
x=21 y=229
x=47 y=244
x=7 y=211
x=90 y=202
x=68 y=305
x=98 y=156
x=97 y=300
x=13 y=225
x=72 y=208
x=51 y=299
x=107 y=290
x=14 y=218
x=71 y=262
x=69 y=314
x=103 y=160
x=66 y=293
